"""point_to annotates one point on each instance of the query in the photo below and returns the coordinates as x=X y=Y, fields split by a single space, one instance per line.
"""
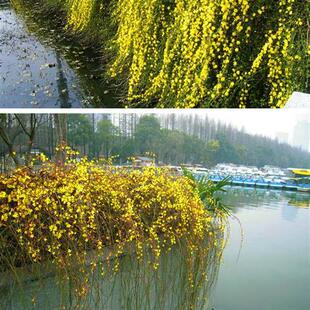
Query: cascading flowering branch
x=205 y=53
x=62 y=211
x=80 y=13
x=208 y=53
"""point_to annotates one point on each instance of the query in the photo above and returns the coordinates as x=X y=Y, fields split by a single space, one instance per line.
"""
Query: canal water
x=40 y=68
x=271 y=270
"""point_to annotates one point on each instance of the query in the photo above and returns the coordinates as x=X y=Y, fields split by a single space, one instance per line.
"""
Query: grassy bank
x=60 y=213
x=201 y=53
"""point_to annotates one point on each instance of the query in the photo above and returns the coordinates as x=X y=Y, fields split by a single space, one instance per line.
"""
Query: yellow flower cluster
x=202 y=53
x=62 y=211
x=80 y=13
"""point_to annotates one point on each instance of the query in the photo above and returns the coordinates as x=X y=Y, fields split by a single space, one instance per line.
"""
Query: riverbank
x=161 y=60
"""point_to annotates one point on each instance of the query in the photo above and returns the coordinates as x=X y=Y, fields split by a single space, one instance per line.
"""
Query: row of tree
x=174 y=139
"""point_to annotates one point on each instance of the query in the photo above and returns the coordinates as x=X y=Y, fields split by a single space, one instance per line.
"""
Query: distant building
x=282 y=137
x=301 y=137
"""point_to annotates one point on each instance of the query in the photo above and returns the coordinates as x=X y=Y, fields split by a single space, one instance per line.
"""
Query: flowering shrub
x=63 y=213
x=60 y=211
x=200 y=53
x=203 y=53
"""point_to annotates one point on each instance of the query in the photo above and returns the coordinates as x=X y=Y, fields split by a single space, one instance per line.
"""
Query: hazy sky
x=266 y=122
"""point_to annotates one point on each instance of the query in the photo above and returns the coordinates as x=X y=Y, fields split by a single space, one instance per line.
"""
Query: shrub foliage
x=199 y=53
x=63 y=213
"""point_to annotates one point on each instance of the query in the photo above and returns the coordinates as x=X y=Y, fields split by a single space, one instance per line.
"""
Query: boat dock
x=288 y=186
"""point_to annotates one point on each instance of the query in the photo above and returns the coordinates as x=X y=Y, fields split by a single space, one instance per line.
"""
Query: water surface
x=40 y=68
x=272 y=269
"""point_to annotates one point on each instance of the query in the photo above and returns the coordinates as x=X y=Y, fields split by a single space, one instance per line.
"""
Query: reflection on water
x=273 y=269
x=40 y=68
x=135 y=286
x=237 y=198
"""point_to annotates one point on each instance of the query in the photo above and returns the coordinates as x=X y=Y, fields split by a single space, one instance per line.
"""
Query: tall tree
x=61 y=135
x=12 y=126
x=79 y=131
x=148 y=133
x=106 y=137
x=29 y=125
x=8 y=135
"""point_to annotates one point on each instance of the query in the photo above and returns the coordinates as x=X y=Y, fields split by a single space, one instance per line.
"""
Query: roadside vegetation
x=200 y=53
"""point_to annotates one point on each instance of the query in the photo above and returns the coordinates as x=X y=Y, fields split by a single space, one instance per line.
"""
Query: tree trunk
x=61 y=136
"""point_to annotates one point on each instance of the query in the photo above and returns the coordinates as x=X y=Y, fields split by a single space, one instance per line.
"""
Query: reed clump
x=63 y=213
